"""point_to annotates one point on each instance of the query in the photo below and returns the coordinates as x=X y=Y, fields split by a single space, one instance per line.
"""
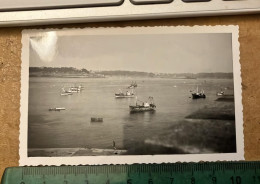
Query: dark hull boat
x=96 y=119
x=198 y=95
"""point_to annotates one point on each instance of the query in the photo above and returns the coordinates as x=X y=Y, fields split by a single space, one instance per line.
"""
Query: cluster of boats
x=70 y=91
x=139 y=106
x=200 y=94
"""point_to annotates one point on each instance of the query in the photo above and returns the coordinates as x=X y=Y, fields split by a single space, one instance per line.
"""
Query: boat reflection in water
x=145 y=106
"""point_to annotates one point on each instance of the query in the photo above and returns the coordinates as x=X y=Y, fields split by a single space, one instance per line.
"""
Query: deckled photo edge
x=98 y=160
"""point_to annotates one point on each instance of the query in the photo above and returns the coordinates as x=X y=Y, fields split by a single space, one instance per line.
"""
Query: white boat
x=221 y=93
x=57 y=109
x=76 y=89
x=65 y=93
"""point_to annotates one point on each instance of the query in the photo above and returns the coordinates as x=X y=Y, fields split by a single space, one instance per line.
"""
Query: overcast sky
x=168 y=53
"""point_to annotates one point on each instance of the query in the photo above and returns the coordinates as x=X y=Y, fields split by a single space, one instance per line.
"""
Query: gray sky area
x=168 y=53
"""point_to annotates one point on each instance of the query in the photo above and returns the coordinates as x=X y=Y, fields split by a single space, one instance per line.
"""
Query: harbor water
x=175 y=127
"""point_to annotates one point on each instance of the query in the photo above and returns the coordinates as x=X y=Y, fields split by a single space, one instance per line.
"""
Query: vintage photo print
x=131 y=95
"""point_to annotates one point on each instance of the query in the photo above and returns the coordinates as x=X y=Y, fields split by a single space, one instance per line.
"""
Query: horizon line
x=128 y=70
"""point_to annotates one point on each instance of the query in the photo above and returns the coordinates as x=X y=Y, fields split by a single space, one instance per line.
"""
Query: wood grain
x=10 y=65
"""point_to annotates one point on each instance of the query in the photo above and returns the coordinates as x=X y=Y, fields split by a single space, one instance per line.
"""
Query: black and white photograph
x=131 y=95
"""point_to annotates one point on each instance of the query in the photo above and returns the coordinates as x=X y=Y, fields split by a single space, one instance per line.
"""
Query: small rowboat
x=66 y=94
x=96 y=119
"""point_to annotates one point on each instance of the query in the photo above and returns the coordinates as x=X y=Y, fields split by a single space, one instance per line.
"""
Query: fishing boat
x=144 y=106
x=127 y=94
x=57 y=109
x=132 y=85
x=197 y=94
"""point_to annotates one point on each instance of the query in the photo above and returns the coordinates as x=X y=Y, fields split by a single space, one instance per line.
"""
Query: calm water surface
x=72 y=128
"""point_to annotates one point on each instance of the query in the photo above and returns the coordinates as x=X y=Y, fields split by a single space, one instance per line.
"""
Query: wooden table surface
x=10 y=68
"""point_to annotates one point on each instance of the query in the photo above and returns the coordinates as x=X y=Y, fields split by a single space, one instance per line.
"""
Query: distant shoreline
x=70 y=72
x=66 y=76
x=126 y=77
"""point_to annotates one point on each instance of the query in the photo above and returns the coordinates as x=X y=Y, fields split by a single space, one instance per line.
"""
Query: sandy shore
x=68 y=152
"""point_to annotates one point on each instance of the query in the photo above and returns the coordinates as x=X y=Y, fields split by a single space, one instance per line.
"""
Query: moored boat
x=65 y=93
x=132 y=85
x=57 y=109
x=221 y=93
x=96 y=119
x=76 y=89
x=127 y=94
x=145 y=106
x=197 y=94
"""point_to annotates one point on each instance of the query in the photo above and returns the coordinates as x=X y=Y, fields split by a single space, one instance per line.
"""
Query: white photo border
x=130 y=159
